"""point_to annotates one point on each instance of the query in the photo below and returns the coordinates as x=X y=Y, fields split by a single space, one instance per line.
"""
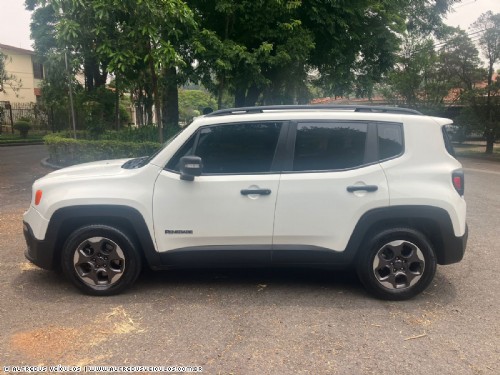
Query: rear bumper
x=38 y=252
x=454 y=248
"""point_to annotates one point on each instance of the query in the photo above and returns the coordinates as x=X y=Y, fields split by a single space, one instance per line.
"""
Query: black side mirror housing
x=190 y=167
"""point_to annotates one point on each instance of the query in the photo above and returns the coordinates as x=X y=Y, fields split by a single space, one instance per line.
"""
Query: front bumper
x=38 y=252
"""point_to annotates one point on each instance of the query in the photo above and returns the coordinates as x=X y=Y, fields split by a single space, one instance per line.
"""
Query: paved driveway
x=253 y=321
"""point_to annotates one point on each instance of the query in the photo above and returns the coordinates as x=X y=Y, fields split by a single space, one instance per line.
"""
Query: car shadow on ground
x=263 y=286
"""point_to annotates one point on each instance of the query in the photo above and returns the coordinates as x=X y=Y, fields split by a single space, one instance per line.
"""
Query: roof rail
x=313 y=107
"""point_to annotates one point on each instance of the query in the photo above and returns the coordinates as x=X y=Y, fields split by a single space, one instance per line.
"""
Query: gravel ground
x=266 y=321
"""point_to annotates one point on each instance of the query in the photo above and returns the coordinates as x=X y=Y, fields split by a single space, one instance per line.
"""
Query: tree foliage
x=423 y=75
x=459 y=60
x=192 y=103
x=137 y=41
x=268 y=52
x=485 y=102
x=412 y=74
x=488 y=25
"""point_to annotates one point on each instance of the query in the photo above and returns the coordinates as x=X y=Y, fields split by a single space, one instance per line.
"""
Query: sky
x=15 y=20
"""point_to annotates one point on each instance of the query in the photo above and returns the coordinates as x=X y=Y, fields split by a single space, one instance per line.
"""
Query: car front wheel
x=100 y=260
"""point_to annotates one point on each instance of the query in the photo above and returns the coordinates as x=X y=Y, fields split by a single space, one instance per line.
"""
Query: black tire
x=100 y=260
x=396 y=264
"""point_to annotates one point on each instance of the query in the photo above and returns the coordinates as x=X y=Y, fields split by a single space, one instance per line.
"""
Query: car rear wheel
x=100 y=260
x=397 y=264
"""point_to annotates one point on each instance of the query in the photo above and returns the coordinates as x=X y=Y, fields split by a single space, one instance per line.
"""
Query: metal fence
x=12 y=112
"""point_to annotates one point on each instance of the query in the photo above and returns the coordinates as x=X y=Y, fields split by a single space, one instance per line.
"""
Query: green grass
x=9 y=138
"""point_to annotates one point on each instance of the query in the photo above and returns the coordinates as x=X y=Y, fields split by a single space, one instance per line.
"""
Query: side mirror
x=190 y=167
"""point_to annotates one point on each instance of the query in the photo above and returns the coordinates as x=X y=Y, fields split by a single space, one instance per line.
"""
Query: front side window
x=329 y=146
x=232 y=148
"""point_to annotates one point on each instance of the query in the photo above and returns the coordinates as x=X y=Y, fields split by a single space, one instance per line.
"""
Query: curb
x=45 y=163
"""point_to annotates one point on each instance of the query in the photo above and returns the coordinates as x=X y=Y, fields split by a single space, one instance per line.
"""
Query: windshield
x=143 y=160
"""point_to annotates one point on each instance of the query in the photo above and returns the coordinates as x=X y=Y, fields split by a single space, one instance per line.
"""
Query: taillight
x=38 y=197
x=458 y=181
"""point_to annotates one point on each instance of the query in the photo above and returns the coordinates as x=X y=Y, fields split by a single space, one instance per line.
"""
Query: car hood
x=90 y=170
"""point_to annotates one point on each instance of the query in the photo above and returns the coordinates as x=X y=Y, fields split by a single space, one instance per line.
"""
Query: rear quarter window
x=390 y=140
x=447 y=141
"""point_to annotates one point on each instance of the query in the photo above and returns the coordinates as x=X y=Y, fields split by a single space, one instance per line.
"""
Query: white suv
x=373 y=187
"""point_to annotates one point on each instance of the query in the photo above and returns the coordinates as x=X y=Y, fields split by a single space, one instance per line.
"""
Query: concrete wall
x=19 y=64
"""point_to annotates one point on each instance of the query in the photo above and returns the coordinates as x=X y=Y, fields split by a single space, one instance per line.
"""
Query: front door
x=231 y=205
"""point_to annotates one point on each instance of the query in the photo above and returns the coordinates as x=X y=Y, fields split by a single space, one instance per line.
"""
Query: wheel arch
x=66 y=220
x=433 y=222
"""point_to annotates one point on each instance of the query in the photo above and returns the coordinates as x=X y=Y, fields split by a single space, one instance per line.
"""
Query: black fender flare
x=67 y=219
x=434 y=222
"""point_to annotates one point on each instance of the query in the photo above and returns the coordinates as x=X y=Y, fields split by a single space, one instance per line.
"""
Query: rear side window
x=390 y=140
x=329 y=146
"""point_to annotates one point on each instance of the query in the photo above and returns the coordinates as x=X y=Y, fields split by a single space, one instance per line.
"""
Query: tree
x=488 y=24
x=193 y=102
x=62 y=25
x=250 y=47
x=424 y=76
x=412 y=74
x=147 y=32
x=264 y=51
x=137 y=42
x=459 y=60
x=258 y=51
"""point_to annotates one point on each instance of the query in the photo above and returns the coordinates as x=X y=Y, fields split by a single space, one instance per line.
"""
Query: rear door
x=332 y=178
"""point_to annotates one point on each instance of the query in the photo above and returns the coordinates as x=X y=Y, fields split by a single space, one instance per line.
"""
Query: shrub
x=68 y=151
x=22 y=126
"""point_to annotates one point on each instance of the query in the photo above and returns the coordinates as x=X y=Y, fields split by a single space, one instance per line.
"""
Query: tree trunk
x=490 y=141
x=101 y=78
x=139 y=113
x=170 y=103
x=220 y=92
x=117 y=104
x=490 y=132
x=252 y=96
x=239 y=97
x=88 y=73
x=156 y=98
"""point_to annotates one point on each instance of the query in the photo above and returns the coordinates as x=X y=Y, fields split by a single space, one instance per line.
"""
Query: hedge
x=66 y=151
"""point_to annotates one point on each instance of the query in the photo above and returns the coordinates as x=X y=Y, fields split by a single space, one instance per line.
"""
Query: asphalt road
x=253 y=321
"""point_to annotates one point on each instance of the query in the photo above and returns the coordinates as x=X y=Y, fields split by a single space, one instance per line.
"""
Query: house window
x=37 y=70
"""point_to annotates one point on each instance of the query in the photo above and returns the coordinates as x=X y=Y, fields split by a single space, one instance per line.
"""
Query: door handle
x=368 y=188
x=256 y=191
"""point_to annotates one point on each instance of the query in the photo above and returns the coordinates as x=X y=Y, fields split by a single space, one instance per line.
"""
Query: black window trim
x=279 y=152
x=285 y=148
